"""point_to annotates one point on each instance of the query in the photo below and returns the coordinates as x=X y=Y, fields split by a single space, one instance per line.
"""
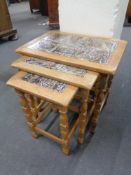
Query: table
x=86 y=62
x=98 y=54
x=37 y=98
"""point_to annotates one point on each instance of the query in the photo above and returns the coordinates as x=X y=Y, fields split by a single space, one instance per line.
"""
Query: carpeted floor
x=108 y=152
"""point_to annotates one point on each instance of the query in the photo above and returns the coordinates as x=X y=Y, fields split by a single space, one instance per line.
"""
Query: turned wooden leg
x=109 y=83
x=83 y=116
x=95 y=117
x=28 y=114
x=31 y=103
x=98 y=100
x=64 y=129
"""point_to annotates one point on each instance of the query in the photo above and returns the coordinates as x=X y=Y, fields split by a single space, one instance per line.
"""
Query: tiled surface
x=45 y=82
x=79 y=47
x=57 y=67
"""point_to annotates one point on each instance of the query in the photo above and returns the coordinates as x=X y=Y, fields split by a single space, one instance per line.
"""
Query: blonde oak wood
x=30 y=100
x=101 y=94
x=109 y=68
x=37 y=109
x=70 y=108
x=36 y=101
x=30 y=110
x=62 y=98
x=64 y=126
x=83 y=116
x=32 y=107
x=116 y=63
x=64 y=129
x=109 y=83
x=101 y=90
x=86 y=82
x=73 y=130
x=43 y=113
x=74 y=109
x=47 y=134
x=55 y=138
x=31 y=104
x=27 y=111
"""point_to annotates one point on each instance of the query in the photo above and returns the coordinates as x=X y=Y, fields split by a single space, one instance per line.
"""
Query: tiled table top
x=94 y=53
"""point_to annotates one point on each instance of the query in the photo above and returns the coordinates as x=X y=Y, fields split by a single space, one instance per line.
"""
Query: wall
x=93 y=17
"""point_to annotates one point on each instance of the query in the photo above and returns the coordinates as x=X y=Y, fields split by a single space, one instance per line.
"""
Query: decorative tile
x=45 y=82
x=79 y=47
x=56 y=66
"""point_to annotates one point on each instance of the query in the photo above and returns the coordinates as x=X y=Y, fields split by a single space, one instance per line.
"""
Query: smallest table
x=40 y=95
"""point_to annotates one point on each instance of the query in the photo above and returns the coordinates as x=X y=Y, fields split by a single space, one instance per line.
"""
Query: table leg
x=28 y=114
x=64 y=129
x=83 y=116
x=98 y=100
x=109 y=83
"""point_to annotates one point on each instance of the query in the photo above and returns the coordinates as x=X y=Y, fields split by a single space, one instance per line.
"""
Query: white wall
x=93 y=17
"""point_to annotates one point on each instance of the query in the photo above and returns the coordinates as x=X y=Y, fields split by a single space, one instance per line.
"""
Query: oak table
x=98 y=54
x=38 y=95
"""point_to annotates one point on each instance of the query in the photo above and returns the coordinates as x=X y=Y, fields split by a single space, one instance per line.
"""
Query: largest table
x=94 y=53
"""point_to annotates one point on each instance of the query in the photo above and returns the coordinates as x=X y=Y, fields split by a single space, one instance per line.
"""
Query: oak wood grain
x=61 y=98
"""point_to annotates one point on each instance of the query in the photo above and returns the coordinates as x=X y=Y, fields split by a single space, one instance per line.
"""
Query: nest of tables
x=58 y=68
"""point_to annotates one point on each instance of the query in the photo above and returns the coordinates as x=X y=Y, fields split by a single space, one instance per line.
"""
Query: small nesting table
x=34 y=92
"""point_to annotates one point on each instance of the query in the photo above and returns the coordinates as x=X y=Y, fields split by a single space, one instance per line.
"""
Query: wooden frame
x=86 y=82
x=45 y=93
x=34 y=116
x=109 y=68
